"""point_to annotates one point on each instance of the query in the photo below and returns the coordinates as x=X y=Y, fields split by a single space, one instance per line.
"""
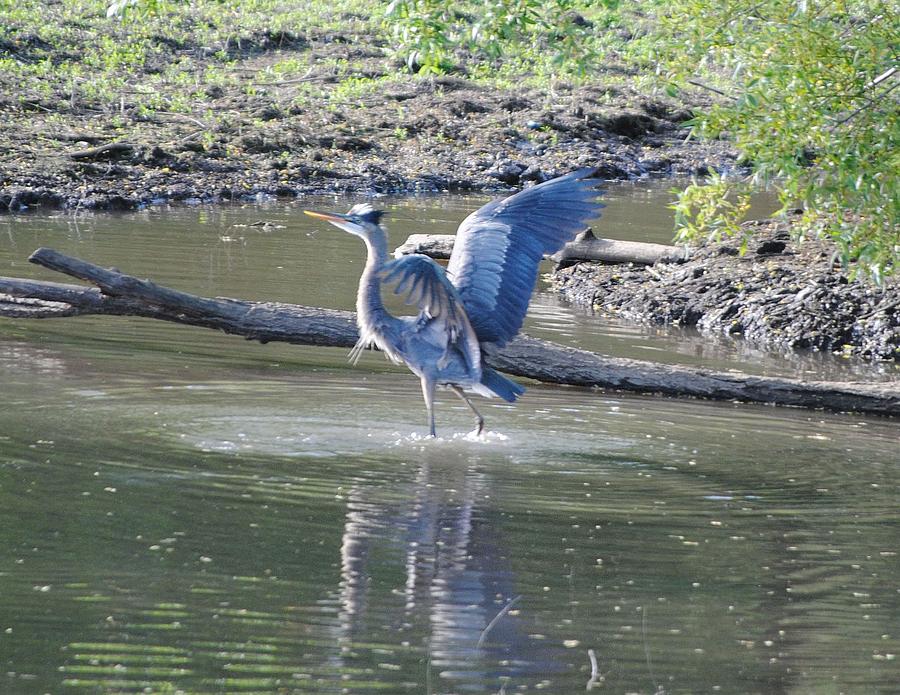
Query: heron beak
x=338 y=220
x=327 y=216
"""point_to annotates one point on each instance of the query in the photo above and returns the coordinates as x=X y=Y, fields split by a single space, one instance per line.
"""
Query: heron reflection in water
x=424 y=561
x=475 y=306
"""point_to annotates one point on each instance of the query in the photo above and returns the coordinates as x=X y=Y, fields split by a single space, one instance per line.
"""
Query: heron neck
x=368 y=302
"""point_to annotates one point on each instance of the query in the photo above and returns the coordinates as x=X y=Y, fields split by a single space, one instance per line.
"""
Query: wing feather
x=494 y=264
x=425 y=284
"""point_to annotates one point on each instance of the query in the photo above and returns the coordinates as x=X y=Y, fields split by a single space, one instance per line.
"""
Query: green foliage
x=712 y=209
x=430 y=35
x=423 y=31
x=503 y=22
x=810 y=100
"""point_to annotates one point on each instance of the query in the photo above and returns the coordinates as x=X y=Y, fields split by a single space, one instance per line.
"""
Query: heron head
x=362 y=220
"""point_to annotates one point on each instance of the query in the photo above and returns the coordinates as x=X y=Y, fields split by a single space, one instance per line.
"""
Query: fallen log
x=118 y=294
x=585 y=247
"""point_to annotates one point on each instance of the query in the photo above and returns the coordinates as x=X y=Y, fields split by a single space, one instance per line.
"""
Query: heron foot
x=479 y=421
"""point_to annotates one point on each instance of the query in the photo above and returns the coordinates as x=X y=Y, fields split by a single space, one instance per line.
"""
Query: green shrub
x=810 y=100
x=430 y=35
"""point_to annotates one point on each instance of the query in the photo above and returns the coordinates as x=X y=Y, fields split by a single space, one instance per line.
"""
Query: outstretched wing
x=495 y=258
x=425 y=284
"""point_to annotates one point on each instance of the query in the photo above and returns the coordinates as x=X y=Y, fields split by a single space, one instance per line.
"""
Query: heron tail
x=507 y=389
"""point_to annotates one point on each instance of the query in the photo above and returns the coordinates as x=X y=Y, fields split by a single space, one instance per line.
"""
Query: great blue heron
x=478 y=304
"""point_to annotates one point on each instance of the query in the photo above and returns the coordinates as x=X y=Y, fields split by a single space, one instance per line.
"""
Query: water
x=183 y=511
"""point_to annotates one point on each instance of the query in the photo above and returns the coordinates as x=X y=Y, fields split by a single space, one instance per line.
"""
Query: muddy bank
x=365 y=128
x=780 y=294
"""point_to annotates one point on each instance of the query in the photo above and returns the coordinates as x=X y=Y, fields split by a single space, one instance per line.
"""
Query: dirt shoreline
x=363 y=127
x=454 y=136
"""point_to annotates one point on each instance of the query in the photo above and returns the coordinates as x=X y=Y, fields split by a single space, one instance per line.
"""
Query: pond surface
x=183 y=511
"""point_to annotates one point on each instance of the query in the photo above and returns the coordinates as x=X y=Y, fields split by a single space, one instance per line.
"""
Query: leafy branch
x=811 y=104
x=431 y=35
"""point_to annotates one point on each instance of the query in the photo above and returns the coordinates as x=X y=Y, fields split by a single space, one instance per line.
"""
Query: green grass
x=164 y=56
x=69 y=56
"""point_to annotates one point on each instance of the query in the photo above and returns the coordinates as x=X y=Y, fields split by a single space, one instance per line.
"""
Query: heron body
x=478 y=303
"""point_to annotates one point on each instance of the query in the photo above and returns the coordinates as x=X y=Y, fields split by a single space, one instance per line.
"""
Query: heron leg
x=428 y=394
x=479 y=421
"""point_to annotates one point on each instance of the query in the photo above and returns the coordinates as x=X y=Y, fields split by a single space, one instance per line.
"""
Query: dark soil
x=779 y=294
x=445 y=133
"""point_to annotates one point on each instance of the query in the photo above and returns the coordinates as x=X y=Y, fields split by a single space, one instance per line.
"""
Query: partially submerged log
x=585 y=247
x=118 y=294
